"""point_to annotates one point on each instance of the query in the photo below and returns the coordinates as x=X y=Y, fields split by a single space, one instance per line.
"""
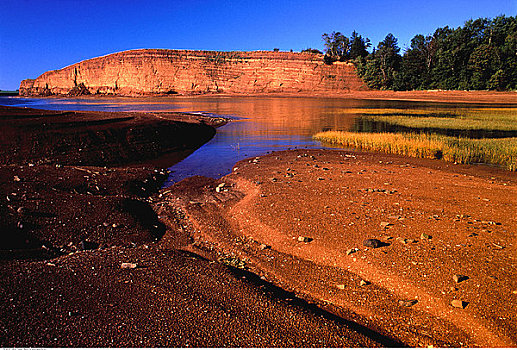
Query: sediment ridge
x=160 y=71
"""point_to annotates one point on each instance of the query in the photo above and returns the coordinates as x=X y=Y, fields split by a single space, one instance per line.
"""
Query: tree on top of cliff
x=339 y=47
x=358 y=46
x=336 y=44
x=311 y=50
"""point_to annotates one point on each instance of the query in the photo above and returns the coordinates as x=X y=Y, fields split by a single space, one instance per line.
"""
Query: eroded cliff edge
x=159 y=71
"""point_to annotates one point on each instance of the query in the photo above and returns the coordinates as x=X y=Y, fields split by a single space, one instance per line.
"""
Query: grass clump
x=502 y=119
x=502 y=152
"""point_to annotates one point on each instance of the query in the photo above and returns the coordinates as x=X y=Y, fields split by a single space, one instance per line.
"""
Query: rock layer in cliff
x=158 y=71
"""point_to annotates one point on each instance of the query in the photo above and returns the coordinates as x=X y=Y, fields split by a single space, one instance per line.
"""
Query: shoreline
x=222 y=265
x=435 y=96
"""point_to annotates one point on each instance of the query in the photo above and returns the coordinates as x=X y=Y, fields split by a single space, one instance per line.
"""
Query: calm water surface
x=260 y=124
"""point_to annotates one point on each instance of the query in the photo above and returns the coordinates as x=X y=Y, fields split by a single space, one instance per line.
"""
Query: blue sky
x=41 y=35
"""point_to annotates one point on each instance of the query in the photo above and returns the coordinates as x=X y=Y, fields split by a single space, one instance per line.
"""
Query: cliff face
x=156 y=71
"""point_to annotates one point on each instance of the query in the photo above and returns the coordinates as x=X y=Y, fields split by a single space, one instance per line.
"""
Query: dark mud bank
x=97 y=138
x=65 y=180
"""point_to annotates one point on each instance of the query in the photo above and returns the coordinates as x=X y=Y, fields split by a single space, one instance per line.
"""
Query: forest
x=480 y=55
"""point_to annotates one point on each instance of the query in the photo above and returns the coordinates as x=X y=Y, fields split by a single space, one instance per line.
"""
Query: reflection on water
x=374 y=126
x=263 y=124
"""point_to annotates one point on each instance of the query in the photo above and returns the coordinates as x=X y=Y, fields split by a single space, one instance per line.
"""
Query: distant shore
x=445 y=96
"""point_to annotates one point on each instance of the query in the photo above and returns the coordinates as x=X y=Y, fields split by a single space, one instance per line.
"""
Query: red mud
x=436 y=220
x=227 y=267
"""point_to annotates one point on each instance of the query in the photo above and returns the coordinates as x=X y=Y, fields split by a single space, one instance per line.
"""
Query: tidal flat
x=277 y=252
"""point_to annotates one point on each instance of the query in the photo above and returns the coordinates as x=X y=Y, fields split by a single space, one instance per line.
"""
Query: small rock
x=425 y=236
x=304 y=239
x=408 y=303
x=372 y=243
x=21 y=210
x=385 y=225
x=264 y=246
x=340 y=286
x=16 y=178
x=320 y=178
x=459 y=278
x=364 y=283
x=128 y=266
x=459 y=304
x=351 y=251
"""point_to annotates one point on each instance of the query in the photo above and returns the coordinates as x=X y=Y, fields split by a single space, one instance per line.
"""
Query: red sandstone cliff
x=157 y=71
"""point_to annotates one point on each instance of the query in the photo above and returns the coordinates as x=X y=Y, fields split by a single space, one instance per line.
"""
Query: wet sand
x=300 y=220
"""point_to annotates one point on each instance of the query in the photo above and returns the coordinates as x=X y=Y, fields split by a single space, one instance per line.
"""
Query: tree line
x=480 y=55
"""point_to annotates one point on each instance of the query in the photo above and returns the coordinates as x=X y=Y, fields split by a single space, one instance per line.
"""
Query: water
x=259 y=124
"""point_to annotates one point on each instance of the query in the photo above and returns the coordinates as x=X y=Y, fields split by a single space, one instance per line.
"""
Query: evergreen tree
x=480 y=55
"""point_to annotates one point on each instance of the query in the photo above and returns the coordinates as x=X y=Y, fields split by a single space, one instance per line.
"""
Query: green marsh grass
x=504 y=119
x=501 y=152
x=423 y=142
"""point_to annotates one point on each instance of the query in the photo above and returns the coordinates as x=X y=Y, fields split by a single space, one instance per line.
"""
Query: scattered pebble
x=372 y=243
x=385 y=224
x=351 y=251
x=408 y=303
x=128 y=266
x=459 y=278
x=459 y=304
x=220 y=187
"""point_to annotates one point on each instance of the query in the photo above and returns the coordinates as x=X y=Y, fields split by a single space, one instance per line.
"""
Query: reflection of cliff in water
x=262 y=124
x=374 y=126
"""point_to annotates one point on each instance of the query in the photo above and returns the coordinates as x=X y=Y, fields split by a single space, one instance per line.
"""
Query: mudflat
x=86 y=261
x=295 y=248
x=420 y=251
